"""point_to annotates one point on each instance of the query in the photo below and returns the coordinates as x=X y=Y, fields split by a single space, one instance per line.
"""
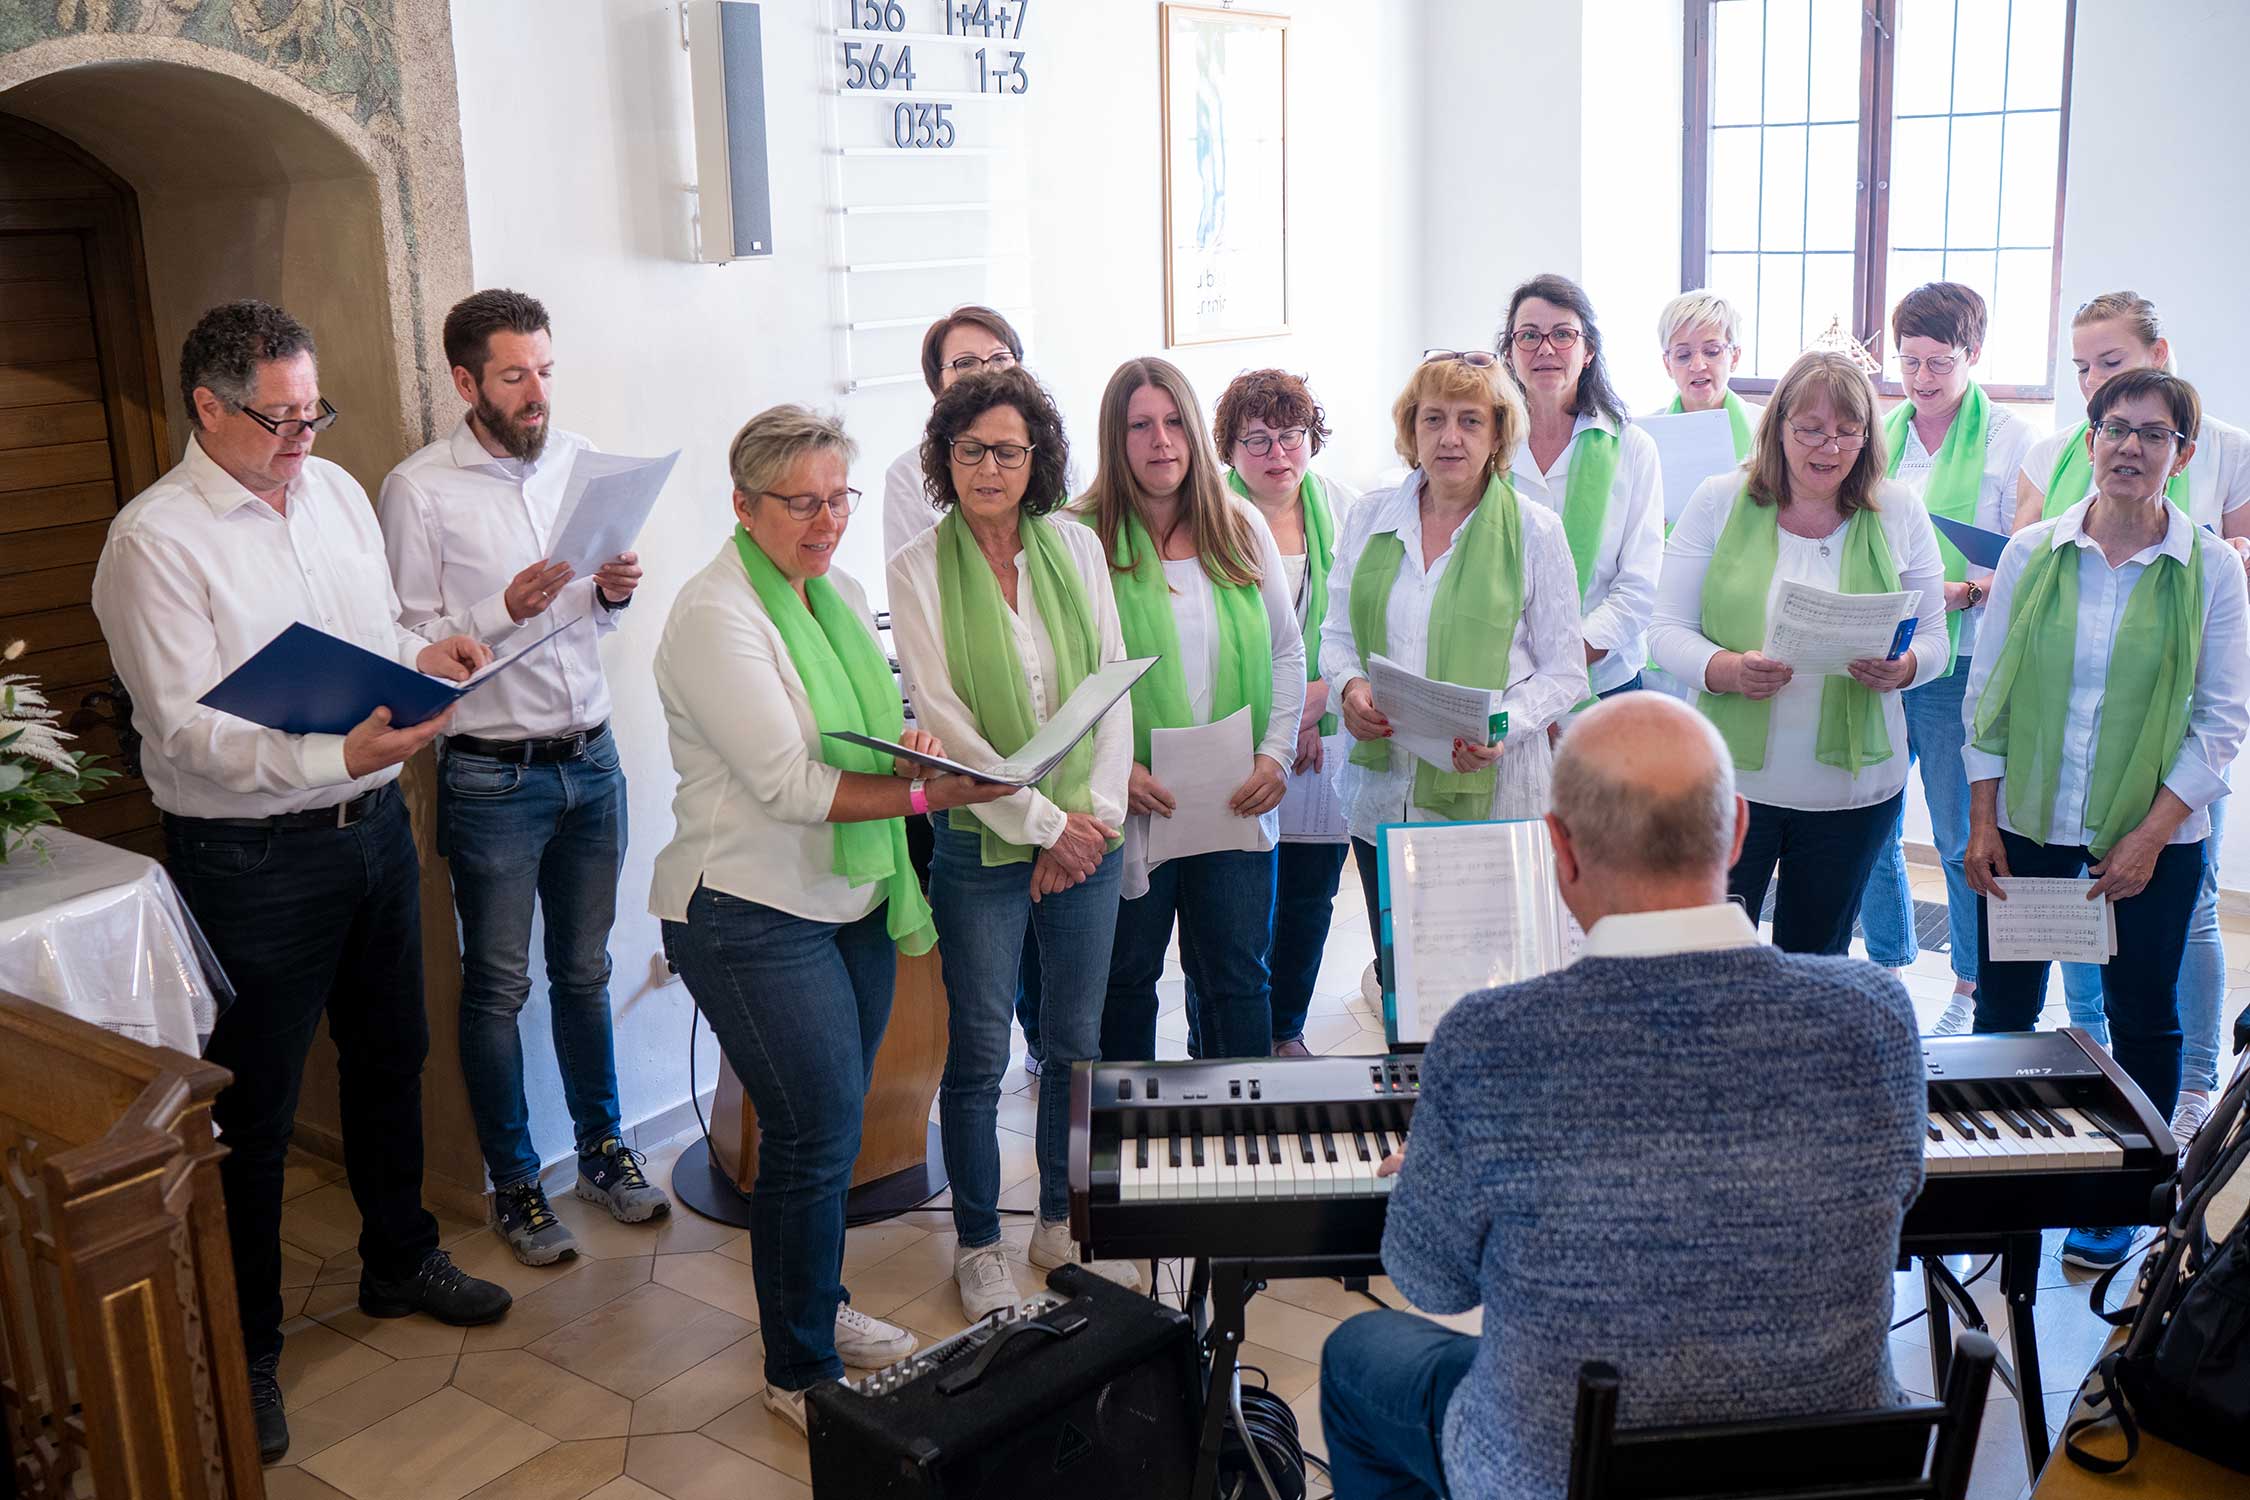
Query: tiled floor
x=633 y=1372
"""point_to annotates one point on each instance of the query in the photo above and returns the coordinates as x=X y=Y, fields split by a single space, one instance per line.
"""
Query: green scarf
x=1244 y=674
x=1735 y=586
x=2145 y=697
x=987 y=671
x=1585 y=511
x=1956 y=479
x=1738 y=414
x=2073 y=478
x=1477 y=605
x=850 y=687
x=1320 y=557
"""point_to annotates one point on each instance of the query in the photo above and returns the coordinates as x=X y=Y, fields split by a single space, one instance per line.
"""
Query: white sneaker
x=1960 y=1016
x=867 y=1342
x=2189 y=1115
x=985 y=1280
x=1371 y=986
x=1052 y=1246
x=789 y=1406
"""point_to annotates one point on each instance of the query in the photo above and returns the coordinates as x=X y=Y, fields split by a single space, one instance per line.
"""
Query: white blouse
x=1791 y=776
x=2218 y=475
x=751 y=813
x=1621 y=589
x=907 y=511
x=1546 y=654
x=2006 y=439
x=918 y=630
x=2218 y=712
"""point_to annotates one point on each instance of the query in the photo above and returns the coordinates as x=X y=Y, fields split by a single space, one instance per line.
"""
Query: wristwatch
x=1976 y=595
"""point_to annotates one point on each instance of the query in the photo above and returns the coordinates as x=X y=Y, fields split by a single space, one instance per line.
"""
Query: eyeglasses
x=2114 y=433
x=805 y=507
x=1815 y=437
x=969 y=364
x=1478 y=358
x=1259 y=444
x=294 y=426
x=968 y=453
x=1681 y=354
x=1564 y=339
x=1942 y=364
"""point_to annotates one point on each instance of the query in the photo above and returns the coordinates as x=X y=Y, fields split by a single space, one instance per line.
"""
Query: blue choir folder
x=1978 y=545
x=306 y=681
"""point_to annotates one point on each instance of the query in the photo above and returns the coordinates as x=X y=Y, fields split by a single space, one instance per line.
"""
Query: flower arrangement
x=37 y=774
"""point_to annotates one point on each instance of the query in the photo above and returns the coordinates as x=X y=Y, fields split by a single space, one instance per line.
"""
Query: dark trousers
x=311 y=922
x=1824 y=858
x=1223 y=903
x=2139 y=984
x=1304 y=901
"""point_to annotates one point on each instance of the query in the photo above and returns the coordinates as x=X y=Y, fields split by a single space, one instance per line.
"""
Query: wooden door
x=81 y=433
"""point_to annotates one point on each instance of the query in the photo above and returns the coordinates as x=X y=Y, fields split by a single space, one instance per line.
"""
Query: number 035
x=922 y=126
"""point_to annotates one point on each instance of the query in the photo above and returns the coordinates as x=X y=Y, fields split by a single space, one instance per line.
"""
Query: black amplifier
x=1084 y=1390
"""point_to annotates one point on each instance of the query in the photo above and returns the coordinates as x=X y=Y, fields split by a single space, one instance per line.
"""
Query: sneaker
x=1371 y=985
x=266 y=1410
x=789 y=1406
x=1052 y=1246
x=611 y=1175
x=437 y=1287
x=526 y=1220
x=869 y=1343
x=1031 y=1065
x=1959 y=1019
x=1294 y=1047
x=2098 y=1249
x=2189 y=1115
x=985 y=1280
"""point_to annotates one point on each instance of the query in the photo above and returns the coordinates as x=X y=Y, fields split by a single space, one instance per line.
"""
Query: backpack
x=2183 y=1372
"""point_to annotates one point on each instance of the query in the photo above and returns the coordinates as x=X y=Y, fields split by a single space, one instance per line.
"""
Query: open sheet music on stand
x=2048 y=919
x=1465 y=906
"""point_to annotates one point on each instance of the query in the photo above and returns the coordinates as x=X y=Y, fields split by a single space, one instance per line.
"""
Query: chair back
x=1917 y=1452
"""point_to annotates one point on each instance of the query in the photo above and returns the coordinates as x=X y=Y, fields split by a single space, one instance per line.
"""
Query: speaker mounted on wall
x=726 y=62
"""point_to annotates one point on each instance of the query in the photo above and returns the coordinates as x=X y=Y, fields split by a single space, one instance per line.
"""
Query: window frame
x=1871 y=237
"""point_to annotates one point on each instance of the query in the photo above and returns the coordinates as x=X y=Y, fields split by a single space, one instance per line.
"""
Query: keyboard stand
x=1947 y=1298
x=1229 y=1285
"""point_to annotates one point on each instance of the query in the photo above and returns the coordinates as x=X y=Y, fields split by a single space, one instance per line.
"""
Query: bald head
x=1644 y=787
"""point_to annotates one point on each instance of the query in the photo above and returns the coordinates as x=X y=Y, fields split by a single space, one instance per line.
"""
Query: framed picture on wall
x=1225 y=77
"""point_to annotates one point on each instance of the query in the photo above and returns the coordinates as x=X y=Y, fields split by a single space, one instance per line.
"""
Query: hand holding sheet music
x=1094 y=697
x=1202 y=766
x=1820 y=632
x=1427 y=715
x=2046 y=919
x=604 y=506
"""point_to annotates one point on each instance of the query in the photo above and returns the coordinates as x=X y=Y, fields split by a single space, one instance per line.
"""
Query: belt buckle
x=344 y=813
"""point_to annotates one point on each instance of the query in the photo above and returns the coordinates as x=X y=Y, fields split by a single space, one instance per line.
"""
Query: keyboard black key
x=1273 y=1147
x=1250 y=1147
x=1140 y=1152
x=1173 y=1142
x=1195 y=1144
x=1305 y=1143
x=1328 y=1145
x=1233 y=1160
x=1359 y=1139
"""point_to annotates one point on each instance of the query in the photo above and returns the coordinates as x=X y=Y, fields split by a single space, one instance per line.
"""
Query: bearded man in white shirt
x=531 y=798
x=293 y=852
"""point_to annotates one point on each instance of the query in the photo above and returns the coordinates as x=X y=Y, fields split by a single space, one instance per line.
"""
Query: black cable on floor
x=1989 y=1262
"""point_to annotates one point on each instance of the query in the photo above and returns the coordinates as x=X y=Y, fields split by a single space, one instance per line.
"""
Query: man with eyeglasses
x=531 y=797
x=293 y=852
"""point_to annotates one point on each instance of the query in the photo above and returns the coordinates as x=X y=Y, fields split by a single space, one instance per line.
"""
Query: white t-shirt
x=2006 y=438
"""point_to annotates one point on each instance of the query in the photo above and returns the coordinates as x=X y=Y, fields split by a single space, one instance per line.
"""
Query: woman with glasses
x=2103 y=713
x=1452 y=577
x=1583 y=459
x=1200 y=586
x=1960 y=451
x=2114 y=333
x=1821 y=759
x=786 y=888
x=999 y=612
x=967 y=341
x=1700 y=335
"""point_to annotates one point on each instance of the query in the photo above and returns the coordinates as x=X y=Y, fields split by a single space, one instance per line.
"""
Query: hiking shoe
x=1959 y=1018
x=611 y=1175
x=2098 y=1249
x=869 y=1343
x=266 y=1410
x=437 y=1287
x=522 y=1216
x=984 y=1280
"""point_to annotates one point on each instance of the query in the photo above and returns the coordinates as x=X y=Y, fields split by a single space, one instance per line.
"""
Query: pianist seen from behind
x=1687 y=1154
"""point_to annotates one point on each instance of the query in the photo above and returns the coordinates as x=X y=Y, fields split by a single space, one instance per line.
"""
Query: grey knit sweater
x=1693 y=1166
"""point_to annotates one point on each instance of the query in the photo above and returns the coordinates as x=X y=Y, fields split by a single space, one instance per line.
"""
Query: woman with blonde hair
x=1822 y=760
x=1451 y=576
x=1200 y=586
x=1700 y=334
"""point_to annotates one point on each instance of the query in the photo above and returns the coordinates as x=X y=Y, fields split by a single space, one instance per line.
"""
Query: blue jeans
x=1934 y=737
x=2139 y=984
x=1224 y=903
x=982 y=912
x=518 y=836
x=1385 y=1381
x=1027 y=991
x=1304 y=901
x=2203 y=978
x=799 y=1008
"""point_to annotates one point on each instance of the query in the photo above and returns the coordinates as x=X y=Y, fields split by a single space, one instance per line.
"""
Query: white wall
x=576 y=135
x=1630 y=128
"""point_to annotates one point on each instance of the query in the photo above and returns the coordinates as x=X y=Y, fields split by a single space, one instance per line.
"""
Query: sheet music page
x=1312 y=813
x=1202 y=766
x=604 y=505
x=1088 y=704
x=2050 y=919
x=1820 y=632
x=1426 y=714
x=1473 y=905
x=1691 y=446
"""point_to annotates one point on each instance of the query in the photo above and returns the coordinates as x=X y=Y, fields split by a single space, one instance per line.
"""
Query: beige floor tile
x=413 y=1337
x=625 y=1487
x=440 y=1448
x=644 y=1338
x=690 y=1466
x=567 y=1471
x=936 y=1314
x=753 y=1431
x=323 y=1220
x=1309 y=1435
x=868 y=1243
x=292 y=1483
x=694 y=1396
x=1328 y=1296
x=318 y=1425
x=318 y=1361
x=716 y=1279
x=1286 y=1375
x=1292 y=1330
x=293 y=1301
x=600 y=1235
x=568 y=1297
x=549 y=1397
x=299 y=1267
x=303 y=1171
x=1020 y=1112
x=683 y=1231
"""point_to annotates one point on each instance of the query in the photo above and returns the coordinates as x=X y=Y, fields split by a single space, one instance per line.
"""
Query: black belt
x=339 y=815
x=528 y=752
